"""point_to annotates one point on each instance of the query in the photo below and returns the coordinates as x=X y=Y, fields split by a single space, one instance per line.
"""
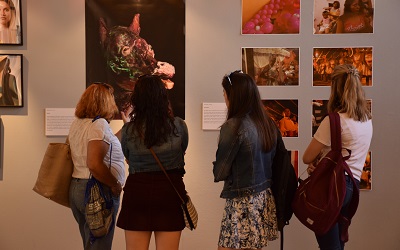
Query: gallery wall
x=54 y=77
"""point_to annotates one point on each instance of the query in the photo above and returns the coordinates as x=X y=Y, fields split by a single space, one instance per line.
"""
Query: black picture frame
x=11 y=82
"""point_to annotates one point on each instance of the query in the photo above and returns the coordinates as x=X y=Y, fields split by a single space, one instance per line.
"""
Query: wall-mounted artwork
x=343 y=16
x=272 y=66
x=320 y=110
x=285 y=114
x=11 y=80
x=127 y=39
x=325 y=60
x=366 y=174
x=294 y=159
x=1 y=149
x=270 y=16
x=10 y=22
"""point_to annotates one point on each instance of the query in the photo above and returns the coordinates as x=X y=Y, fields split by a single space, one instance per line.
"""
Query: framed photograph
x=366 y=174
x=285 y=114
x=272 y=66
x=343 y=16
x=294 y=159
x=1 y=149
x=325 y=60
x=11 y=80
x=270 y=17
x=10 y=23
x=320 y=110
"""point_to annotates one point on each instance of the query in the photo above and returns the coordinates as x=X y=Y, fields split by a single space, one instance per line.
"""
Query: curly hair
x=152 y=117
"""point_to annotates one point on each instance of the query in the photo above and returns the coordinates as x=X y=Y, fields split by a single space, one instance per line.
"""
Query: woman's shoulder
x=100 y=123
x=78 y=123
x=230 y=122
x=178 y=121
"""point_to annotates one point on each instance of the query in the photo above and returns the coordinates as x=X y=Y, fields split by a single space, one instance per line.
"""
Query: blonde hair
x=347 y=94
x=97 y=100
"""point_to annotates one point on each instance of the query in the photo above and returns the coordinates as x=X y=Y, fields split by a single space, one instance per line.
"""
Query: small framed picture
x=10 y=22
x=11 y=80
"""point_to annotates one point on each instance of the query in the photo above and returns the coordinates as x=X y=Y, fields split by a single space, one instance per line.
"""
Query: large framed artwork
x=11 y=80
x=10 y=22
x=127 y=39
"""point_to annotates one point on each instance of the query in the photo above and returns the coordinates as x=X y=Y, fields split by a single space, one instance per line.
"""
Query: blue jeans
x=331 y=240
x=77 y=202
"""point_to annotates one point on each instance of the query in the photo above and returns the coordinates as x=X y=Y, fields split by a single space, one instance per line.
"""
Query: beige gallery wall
x=54 y=77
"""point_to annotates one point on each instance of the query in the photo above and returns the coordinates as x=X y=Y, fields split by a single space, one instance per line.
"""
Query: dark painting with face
x=125 y=40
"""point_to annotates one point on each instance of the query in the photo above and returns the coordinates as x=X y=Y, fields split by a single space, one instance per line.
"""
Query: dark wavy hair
x=152 y=117
x=244 y=99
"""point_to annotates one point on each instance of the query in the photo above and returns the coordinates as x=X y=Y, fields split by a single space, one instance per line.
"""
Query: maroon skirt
x=150 y=203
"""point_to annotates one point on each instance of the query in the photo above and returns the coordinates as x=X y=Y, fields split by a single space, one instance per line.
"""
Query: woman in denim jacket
x=246 y=148
x=150 y=204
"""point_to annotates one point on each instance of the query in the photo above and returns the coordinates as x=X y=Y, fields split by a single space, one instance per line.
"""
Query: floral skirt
x=249 y=222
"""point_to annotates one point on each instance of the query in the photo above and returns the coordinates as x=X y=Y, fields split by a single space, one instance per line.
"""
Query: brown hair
x=97 y=100
x=244 y=99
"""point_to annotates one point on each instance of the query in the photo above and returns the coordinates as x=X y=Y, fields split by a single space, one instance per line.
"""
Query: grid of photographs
x=279 y=66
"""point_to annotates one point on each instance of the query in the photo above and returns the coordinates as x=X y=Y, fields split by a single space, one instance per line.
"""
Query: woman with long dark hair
x=246 y=149
x=150 y=204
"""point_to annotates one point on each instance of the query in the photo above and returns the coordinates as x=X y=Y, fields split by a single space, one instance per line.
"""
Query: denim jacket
x=170 y=153
x=240 y=161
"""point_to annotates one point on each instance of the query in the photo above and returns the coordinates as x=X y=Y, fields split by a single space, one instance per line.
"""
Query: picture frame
x=11 y=91
x=325 y=59
x=284 y=112
x=11 y=27
x=272 y=66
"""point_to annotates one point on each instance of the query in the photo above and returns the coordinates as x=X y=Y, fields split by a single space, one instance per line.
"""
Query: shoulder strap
x=336 y=138
x=336 y=141
x=336 y=134
x=165 y=172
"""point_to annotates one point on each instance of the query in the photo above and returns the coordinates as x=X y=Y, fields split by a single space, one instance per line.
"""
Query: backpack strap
x=336 y=144
x=336 y=130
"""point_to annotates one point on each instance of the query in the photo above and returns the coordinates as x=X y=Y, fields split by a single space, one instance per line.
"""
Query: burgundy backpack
x=319 y=198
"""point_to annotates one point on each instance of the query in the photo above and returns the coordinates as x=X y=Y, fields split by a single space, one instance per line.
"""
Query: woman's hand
x=125 y=114
x=116 y=189
x=310 y=169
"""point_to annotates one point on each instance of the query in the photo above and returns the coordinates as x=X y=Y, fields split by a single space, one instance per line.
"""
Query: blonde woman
x=348 y=99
